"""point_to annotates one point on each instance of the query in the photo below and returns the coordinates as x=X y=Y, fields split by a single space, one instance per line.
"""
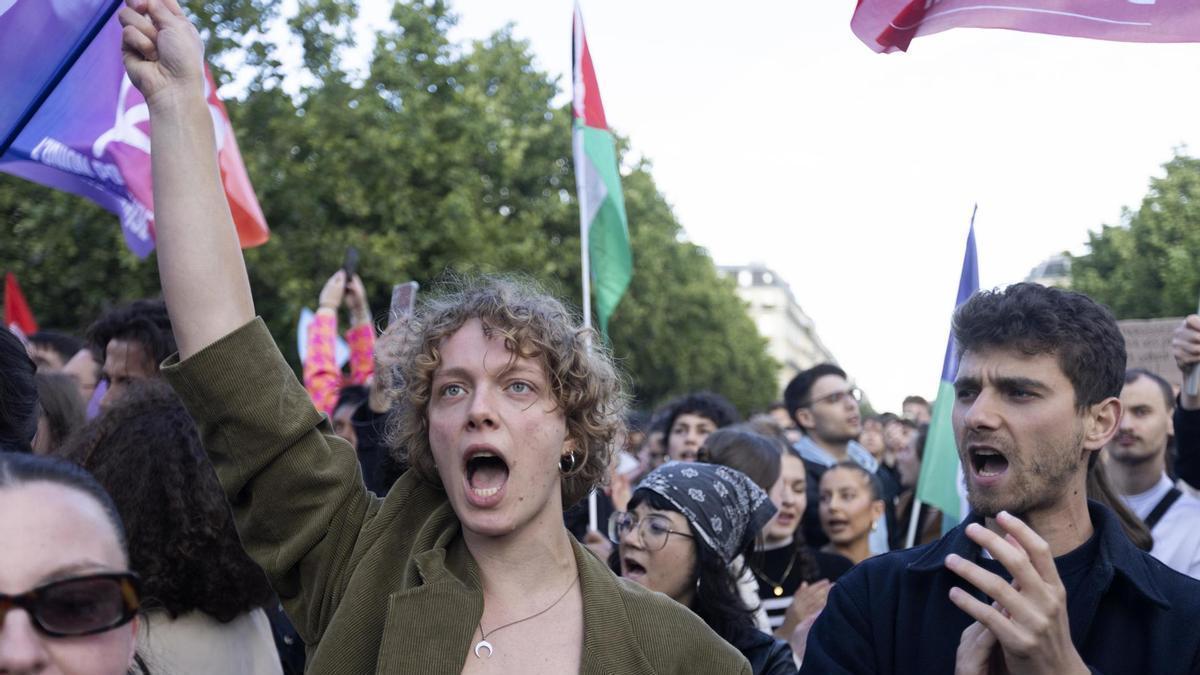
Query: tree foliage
x=1149 y=266
x=442 y=158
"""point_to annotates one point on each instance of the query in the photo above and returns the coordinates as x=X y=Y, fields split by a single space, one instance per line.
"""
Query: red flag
x=889 y=25
x=16 y=310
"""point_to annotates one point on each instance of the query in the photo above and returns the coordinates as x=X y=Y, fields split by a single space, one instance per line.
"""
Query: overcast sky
x=779 y=138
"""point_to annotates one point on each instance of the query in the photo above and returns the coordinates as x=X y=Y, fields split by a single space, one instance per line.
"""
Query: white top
x=197 y=644
x=748 y=589
x=1177 y=534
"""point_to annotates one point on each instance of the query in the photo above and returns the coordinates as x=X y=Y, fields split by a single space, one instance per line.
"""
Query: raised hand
x=1029 y=616
x=1185 y=344
x=161 y=50
x=333 y=292
x=807 y=603
x=356 y=301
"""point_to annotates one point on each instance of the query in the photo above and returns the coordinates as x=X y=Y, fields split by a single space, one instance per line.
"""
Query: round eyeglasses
x=654 y=530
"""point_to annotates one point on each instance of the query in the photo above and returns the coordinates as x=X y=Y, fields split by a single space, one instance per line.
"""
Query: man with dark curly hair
x=1037 y=579
x=692 y=418
x=129 y=342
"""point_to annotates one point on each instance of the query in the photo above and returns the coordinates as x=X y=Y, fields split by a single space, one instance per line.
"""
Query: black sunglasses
x=79 y=605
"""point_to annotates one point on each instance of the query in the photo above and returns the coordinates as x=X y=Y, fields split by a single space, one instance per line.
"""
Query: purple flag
x=889 y=25
x=86 y=127
x=39 y=40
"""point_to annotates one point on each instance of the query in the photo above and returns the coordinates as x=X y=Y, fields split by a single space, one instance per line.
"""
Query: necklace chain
x=483 y=635
x=778 y=586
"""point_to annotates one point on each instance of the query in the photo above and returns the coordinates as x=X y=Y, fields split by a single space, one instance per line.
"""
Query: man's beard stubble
x=1033 y=487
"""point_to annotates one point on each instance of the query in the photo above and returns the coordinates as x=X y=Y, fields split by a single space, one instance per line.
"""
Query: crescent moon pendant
x=483 y=644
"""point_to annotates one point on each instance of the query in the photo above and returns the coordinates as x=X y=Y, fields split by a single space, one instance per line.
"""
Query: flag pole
x=913 y=520
x=581 y=196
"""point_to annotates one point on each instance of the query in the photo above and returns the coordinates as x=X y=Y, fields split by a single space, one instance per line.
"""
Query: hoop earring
x=566 y=464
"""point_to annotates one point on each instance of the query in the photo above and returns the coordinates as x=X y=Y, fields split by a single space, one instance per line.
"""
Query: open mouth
x=987 y=462
x=632 y=568
x=486 y=472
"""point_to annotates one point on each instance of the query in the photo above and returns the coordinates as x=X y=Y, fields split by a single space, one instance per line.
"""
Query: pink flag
x=889 y=25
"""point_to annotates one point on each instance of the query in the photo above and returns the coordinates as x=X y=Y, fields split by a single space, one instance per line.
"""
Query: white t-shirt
x=1177 y=533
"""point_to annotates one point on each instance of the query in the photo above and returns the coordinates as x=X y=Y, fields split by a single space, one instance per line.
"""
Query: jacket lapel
x=605 y=622
x=429 y=627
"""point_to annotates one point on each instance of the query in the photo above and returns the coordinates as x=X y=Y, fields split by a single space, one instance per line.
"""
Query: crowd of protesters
x=475 y=495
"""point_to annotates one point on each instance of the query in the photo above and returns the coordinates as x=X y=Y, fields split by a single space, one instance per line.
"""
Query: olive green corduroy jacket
x=386 y=585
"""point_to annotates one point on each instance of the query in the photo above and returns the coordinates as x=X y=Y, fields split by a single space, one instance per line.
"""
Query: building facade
x=790 y=333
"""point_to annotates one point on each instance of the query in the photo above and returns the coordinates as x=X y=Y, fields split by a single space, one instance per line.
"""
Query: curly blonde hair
x=584 y=383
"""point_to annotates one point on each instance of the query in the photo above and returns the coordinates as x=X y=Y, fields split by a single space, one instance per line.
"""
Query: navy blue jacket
x=892 y=613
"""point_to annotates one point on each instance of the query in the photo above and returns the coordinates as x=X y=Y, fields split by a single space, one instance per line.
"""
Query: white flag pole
x=584 y=207
x=913 y=521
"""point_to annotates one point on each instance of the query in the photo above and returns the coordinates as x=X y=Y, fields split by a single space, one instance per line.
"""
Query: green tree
x=1149 y=266
x=443 y=158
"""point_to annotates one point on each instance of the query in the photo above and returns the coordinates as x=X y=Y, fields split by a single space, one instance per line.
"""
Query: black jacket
x=1187 y=445
x=767 y=655
x=892 y=614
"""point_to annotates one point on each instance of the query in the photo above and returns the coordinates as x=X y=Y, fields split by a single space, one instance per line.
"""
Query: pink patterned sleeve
x=361 y=339
x=321 y=376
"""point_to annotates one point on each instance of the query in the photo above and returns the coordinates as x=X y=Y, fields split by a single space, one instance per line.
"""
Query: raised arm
x=199 y=261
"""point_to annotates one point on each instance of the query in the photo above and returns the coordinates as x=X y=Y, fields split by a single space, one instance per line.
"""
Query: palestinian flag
x=941 y=473
x=607 y=261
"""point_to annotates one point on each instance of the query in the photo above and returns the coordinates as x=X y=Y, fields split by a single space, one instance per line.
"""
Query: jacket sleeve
x=840 y=640
x=361 y=339
x=779 y=660
x=1187 y=445
x=321 y=374
x=294 y=486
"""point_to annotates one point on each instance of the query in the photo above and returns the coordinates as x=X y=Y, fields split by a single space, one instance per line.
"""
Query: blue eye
x=452 y=390
x=520 y=388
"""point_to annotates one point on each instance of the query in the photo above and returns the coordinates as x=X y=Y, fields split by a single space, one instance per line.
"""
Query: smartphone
x=404 y=298
x=350 y=263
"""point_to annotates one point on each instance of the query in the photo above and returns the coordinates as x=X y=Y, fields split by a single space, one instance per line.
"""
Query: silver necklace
x=483 y=642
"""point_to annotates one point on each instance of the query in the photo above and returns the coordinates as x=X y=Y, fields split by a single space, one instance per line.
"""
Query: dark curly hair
x=146 y=451
x=18 y=395
x=583 y=380
x=142 y=321
x=1037 y=319
x=63 y=344
x=705 y=404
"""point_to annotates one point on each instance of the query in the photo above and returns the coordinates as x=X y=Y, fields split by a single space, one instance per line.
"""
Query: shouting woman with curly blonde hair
x=506 y=412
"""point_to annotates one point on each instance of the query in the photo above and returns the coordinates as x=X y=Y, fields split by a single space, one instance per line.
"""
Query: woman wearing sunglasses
x=687 y=524
x=68 y=602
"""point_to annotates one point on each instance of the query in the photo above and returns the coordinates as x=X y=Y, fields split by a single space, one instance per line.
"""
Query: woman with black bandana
x=686 y=524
